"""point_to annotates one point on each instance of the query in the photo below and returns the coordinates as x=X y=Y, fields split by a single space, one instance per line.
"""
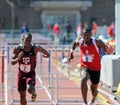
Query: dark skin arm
x=42 y=50
x=16 y=56
x=75 y=44
x=108 y=50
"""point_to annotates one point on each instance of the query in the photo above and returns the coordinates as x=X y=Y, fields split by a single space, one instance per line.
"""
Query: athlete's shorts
x=24 y=79
x=93 y=75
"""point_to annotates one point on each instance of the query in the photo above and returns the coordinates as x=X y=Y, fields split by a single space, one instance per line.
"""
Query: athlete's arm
x=42 y=50
x=75 y=44
x=16 y=56
x=108 y=50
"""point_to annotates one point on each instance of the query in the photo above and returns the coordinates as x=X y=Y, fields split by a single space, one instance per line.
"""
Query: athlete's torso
x=28 y=61
x=90 y=56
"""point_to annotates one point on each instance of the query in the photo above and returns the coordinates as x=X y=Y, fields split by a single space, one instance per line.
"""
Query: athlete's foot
x=92 y=101
x=94 y=96
x=85 y=103
x=33 y=97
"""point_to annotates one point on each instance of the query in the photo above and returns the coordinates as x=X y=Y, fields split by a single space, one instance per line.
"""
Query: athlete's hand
x=46 y=55
x=71 y=56
x=20 y=55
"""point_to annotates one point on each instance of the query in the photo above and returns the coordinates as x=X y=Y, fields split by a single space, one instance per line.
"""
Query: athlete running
x=90 y=62
x=25 y=55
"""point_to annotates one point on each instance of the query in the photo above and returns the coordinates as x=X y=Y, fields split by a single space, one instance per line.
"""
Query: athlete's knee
x=83 y=80
x=31 y=88
x=22 y=94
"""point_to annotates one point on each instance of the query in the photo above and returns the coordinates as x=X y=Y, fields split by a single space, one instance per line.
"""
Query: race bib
x=25 y=68
x=87 y=58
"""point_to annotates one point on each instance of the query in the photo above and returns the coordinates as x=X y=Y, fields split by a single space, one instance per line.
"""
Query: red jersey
x=27 y=63
x=90 y=55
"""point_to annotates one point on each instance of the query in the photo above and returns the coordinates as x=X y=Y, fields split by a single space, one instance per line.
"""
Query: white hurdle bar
x=53 y=78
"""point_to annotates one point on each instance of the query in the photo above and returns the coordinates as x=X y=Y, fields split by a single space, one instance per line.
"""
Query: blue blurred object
x=102 y=52
x=24 y=28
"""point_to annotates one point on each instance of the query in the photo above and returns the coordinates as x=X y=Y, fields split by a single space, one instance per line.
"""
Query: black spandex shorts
x=94 y=76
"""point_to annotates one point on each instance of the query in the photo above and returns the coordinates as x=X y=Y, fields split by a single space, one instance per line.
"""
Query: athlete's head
x=86 y=34
x=26 y=39
x=86 y=30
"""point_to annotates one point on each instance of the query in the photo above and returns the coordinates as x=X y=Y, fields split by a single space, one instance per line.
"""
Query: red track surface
x=69 y=89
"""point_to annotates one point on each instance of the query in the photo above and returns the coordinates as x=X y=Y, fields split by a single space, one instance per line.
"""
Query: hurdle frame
x=53 y=99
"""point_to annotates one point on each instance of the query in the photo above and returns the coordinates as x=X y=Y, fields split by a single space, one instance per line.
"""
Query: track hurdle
x=55 y=78
x=3 y=70
x=2 y=55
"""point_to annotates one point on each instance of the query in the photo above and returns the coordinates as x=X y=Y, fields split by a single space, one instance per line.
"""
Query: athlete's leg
x=84 y=88
x=22 y=90
x=94 y=91
x=31 y=87
x=23 y=100
x=31 y=83
x=95 y=78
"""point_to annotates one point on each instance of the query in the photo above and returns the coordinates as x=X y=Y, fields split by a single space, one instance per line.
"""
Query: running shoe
x=33 y=97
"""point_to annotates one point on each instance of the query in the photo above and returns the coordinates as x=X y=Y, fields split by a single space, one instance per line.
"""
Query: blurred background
x=59 y=23
x=55 y=21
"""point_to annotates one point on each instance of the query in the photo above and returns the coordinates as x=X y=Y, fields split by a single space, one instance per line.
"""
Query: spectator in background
x=68 y=29
x=56 y=32
x=79 y=29
x=94 y=28
x=24 y=28
x=104 y=27
x=111 y=30
x=85 y=25
x=49 y=27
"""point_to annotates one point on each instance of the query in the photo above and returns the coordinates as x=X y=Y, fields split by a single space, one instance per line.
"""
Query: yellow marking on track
x=118 y=89
x=103 y=100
